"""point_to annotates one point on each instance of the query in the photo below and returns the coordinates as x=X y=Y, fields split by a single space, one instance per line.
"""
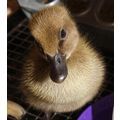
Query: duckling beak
x=58 y=68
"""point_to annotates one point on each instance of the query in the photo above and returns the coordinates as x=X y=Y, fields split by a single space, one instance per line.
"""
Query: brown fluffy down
x=85 y=66
x=15 y=110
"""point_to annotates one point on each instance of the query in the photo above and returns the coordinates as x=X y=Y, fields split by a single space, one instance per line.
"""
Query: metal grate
x=19 y=42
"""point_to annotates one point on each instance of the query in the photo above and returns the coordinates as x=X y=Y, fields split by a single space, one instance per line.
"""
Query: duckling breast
x=85 y=77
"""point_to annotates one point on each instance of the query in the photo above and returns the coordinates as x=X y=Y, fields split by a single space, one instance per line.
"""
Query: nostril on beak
x=58 y=59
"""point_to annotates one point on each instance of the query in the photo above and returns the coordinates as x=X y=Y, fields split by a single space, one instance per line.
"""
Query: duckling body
x=85 y=70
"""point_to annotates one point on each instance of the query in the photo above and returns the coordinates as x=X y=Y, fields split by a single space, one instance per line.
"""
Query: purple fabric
x=101 y=110
x=87 y=115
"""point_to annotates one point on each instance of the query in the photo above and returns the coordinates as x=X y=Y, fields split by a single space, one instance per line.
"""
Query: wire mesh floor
x=19 y=42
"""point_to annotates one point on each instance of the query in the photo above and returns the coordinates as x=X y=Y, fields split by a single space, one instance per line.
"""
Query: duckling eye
x=63 y=34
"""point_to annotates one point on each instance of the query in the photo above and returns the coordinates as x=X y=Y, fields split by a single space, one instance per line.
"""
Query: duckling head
x=56 y=36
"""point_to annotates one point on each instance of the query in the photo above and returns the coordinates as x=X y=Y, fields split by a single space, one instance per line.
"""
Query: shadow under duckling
x=63 y=72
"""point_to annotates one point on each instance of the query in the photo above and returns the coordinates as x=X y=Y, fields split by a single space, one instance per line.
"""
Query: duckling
x=63 y=71
x=15 y=110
